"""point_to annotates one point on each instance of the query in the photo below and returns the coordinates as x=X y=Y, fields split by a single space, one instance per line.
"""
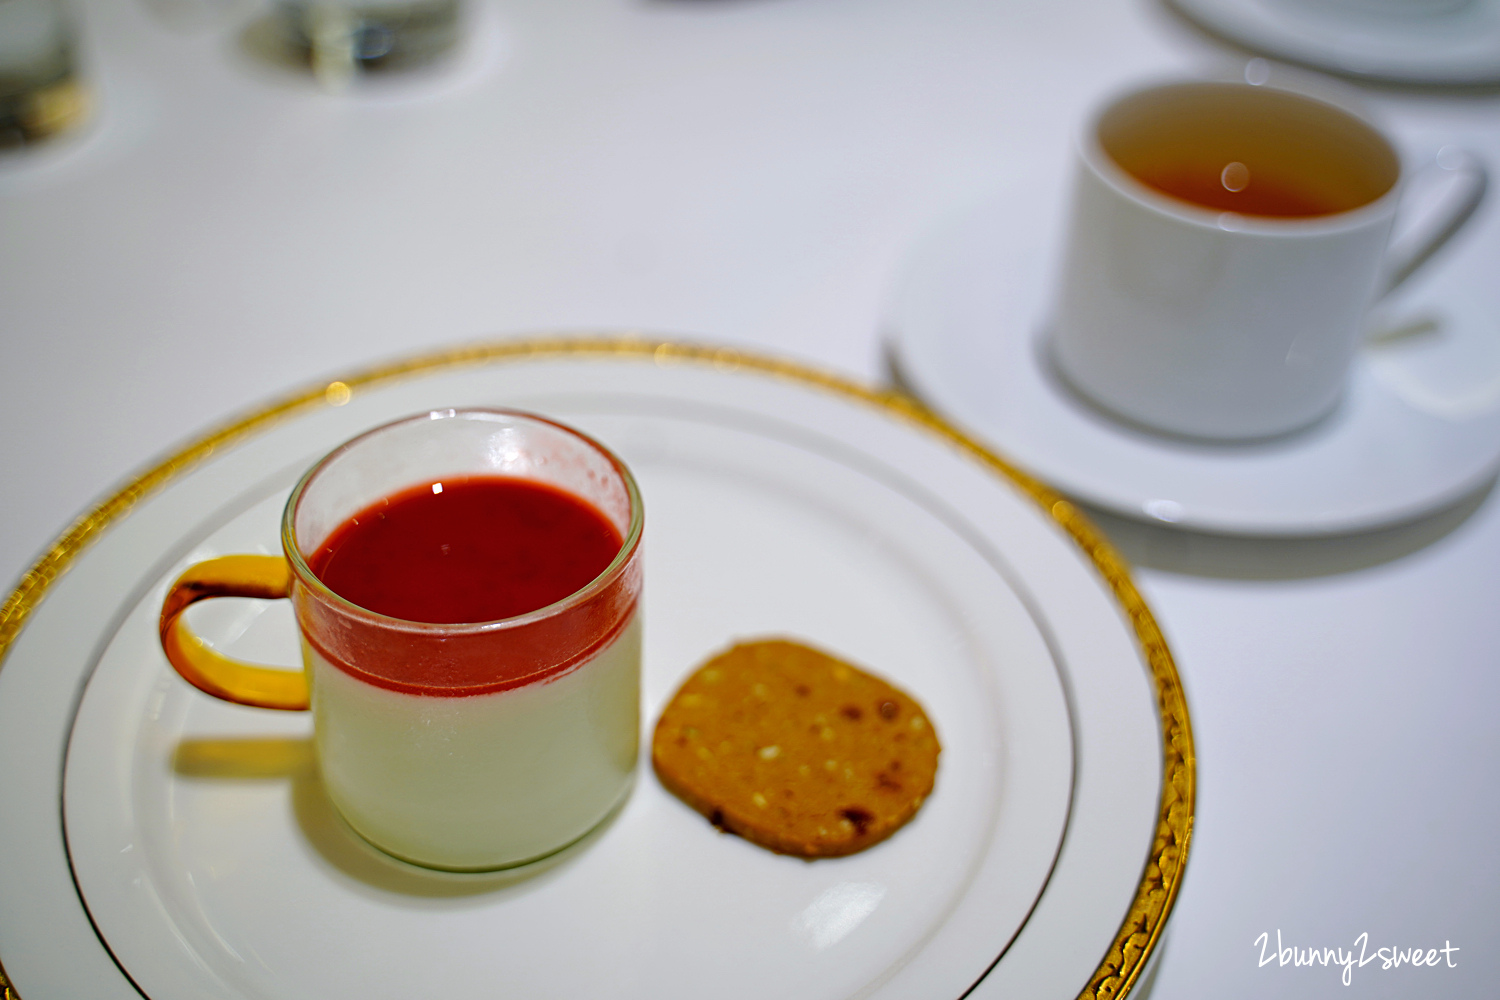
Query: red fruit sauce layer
x=467 y=550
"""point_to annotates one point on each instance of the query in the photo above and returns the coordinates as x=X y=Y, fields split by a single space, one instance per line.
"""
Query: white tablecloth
x=752 y=171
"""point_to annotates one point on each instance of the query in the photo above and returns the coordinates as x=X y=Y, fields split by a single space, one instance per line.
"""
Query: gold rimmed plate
x=196 y=855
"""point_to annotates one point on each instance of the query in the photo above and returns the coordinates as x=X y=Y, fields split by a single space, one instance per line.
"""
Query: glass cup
x=40 y=91
x=465 y=747
x=341 y=38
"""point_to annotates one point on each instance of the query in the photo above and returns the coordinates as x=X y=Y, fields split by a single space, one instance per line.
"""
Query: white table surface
x=751 y=171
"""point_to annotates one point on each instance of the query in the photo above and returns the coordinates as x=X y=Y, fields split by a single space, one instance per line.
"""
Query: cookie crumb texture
x=796 y=750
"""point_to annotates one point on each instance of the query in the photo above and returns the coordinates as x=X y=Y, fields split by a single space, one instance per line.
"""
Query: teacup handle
x=1411 y=249
x=207 y=669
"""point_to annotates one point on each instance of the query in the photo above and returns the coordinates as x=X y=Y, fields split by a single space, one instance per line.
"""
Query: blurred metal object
x=342 y=38
x=40 y=93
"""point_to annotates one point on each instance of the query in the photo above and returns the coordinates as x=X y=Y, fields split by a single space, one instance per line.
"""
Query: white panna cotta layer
x=485 y=781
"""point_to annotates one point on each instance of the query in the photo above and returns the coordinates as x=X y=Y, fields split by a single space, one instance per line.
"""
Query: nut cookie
x=796 y=750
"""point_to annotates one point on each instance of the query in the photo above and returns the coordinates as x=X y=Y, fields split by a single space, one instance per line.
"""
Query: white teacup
x=1226 y=244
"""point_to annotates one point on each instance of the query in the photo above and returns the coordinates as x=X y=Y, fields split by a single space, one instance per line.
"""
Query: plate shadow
x=1238 y=557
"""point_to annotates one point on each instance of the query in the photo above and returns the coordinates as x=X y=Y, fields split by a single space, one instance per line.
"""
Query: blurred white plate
x=1458 y=46
x=1419 y=426
x=211 y=865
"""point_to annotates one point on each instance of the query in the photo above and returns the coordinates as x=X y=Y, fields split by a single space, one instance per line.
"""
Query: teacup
x=466 y=584
x=1226 y=243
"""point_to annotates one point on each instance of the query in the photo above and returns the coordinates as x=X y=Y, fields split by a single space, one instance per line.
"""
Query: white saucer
x=199 y=858
x=221 y=826
x=1418 y=429
x=1455 y=47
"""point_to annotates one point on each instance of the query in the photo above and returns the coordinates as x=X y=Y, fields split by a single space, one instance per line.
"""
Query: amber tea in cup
x=1257 y=152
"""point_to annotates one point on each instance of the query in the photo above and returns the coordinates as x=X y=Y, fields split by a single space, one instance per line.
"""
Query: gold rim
x=1141 y=929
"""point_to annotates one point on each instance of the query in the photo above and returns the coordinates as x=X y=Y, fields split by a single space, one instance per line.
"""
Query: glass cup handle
x=207 y=669
x=1467 y=180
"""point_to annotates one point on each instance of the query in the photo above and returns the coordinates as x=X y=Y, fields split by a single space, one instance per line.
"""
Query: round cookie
x=796 y=750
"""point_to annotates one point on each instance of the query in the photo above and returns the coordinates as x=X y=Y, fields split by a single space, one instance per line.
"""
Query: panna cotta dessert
x=482 y=781
x=467 y=586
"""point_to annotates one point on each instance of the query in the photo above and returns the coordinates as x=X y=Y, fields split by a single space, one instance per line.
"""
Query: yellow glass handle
x=211 y=671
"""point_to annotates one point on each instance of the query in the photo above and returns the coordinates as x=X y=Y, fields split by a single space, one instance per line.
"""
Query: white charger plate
x=1459 y=46
x=211 y=865
x=967 y=324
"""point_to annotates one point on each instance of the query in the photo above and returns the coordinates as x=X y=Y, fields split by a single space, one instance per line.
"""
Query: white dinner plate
x=1460 y=45
x=198 y=857
x=1418 y=427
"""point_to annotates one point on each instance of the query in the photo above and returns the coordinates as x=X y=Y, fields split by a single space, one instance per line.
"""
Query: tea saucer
x=1418 y=429
x=1458 y=46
